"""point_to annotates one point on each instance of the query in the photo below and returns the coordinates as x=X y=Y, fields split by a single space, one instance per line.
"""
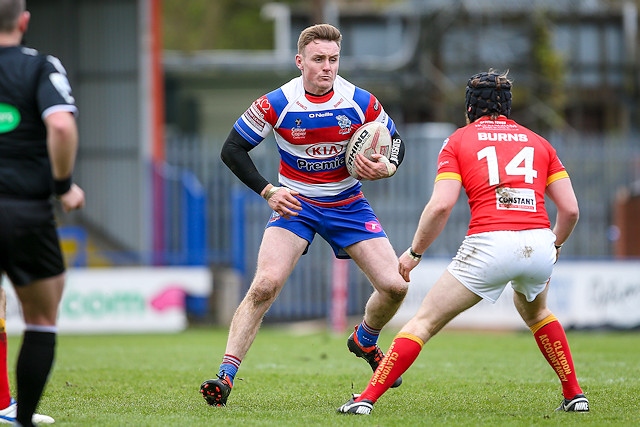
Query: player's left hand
x=72 y=199
x=405 y=265
x=377 y=168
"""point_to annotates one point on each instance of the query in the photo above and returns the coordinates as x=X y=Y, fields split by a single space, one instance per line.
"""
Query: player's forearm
x=565 y=223
x=235 y=154
x=432 y=222
x=62 y=144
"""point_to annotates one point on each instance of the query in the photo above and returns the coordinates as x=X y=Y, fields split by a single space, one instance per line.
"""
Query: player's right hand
x=284 y=202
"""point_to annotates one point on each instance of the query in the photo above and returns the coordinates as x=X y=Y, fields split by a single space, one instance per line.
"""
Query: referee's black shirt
x=32 y=86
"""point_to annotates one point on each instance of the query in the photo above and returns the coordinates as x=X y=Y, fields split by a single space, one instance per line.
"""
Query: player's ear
x=23 y=21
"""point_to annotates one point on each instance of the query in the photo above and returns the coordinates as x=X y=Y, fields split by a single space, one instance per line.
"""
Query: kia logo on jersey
x=324 y=150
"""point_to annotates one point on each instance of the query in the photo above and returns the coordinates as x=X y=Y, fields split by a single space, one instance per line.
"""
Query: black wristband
x=558 y=246
x=61 y=186
x=414 y=256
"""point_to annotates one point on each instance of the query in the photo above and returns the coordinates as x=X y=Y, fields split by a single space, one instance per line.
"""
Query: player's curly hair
x=318 y=32
x=488 y=94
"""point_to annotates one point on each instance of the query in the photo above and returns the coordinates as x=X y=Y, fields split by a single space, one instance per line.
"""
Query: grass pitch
x=299 y=379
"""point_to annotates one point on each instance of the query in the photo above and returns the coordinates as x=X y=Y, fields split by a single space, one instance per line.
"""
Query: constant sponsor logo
x=9 y=118
x=324 y=150
x=502 y=137
x=514 y=200
x=519 y=199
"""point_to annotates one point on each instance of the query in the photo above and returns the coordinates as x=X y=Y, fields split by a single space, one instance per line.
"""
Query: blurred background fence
x=234 y=216
x=159 y=85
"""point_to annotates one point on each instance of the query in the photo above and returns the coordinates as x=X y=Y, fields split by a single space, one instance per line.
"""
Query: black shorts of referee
x=29 y=243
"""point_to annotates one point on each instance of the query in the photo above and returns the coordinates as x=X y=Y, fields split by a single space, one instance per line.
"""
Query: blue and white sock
x=367 y=336
x=229 y=367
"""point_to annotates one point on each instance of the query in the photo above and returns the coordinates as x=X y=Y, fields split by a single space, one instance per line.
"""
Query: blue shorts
x=341 y=223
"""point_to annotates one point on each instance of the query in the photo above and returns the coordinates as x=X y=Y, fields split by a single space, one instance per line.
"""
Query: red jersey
x=505 y=169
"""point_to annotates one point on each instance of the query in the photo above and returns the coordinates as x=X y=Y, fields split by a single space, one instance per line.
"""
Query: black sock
x=34 y=364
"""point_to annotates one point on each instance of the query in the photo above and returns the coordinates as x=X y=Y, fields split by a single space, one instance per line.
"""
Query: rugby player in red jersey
x=506 y=170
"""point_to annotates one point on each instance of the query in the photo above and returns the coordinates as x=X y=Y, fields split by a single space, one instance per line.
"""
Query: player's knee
x=396 y=291
x=262 y=291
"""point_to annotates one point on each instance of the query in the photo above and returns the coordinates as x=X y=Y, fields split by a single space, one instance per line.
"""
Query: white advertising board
x=582 y=294
x=122 y=300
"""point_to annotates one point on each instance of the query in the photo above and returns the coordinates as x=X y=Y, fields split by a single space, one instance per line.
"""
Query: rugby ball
x=370 y=138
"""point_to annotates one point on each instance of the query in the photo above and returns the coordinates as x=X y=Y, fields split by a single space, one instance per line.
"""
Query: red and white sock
x=403 y=351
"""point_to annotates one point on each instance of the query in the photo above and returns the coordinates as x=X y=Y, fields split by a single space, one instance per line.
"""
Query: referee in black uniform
x=38 y=144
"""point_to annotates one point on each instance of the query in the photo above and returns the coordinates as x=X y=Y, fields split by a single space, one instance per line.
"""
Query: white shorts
x=487 y=262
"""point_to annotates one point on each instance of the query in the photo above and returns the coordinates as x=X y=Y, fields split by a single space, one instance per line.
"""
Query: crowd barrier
x=582 y=294
x=124 y=300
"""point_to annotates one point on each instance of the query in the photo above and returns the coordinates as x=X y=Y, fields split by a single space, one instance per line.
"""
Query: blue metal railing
x=184 y=216
x=209 y=217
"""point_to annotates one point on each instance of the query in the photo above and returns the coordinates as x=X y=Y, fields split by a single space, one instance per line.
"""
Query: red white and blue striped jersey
x=312 y=133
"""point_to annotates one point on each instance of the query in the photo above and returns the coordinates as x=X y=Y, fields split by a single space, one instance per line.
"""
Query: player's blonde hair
x=318 y=32
x=10 y=11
